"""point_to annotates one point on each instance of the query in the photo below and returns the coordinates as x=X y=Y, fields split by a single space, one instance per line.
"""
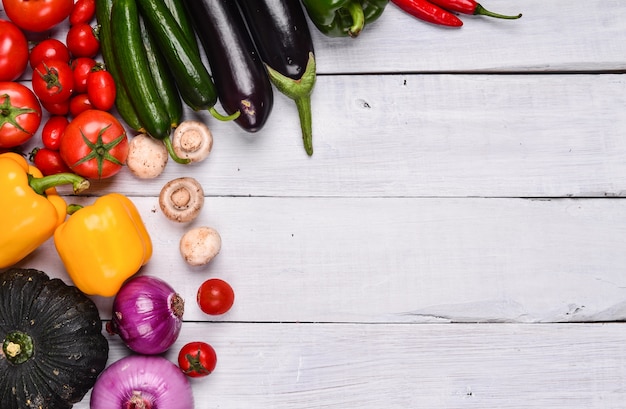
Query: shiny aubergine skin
x=280 y=30
x=238 y=72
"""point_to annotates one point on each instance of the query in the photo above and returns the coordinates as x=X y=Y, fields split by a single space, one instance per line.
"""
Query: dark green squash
x=53 y=348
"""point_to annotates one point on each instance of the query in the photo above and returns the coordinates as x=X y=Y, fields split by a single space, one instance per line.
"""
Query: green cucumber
x=192 y=77
x=122 y=100
x=181 y=15
x=163 y=78
x=135 y=73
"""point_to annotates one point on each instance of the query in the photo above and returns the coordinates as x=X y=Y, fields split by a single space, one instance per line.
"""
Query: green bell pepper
x=341 y=18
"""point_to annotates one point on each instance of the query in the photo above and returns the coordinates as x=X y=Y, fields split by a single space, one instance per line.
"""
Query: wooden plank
x=424 y=135
x=409 y=366
x=398 y=260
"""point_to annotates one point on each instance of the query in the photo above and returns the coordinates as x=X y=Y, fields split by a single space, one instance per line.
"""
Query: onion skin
x=147 y=315
x=153 y=380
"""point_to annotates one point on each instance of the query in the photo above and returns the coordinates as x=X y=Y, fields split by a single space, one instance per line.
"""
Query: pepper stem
x=300 y=91
x=358 y=18
x=40 y=185
x=480 y=10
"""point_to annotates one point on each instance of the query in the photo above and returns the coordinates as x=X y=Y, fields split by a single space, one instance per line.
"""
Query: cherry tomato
x=94 y=144
x=13 y=51
x=215 y=296
x=48 y=161
x=49 y=49
x=101 y=89
x=197 y=359
x=81 y=67
x=53 y=81
x=83 y=12
x=82 y=41
x=57 y=108
x=20 y=114
x=53 y=131
x=39 y=15
x=79 y=103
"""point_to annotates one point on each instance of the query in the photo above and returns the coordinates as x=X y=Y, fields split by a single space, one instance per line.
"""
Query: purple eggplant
x=280 y=31
x=239 y=75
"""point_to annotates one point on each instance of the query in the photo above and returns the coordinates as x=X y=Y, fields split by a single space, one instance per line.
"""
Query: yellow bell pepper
x=30 y=208
x=103 y=244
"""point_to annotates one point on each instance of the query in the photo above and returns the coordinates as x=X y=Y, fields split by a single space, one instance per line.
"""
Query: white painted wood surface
x=456 y=241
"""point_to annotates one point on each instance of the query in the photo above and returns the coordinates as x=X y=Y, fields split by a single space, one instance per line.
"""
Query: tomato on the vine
x=197 y=359
x=48 y=161
x=83 y=12
x=215 y=296
x=39 y=15
x=48 y=49
x=53 y=131
x=94 y=144
x=82 y=41
x=13 y=51
x=53 y=81
x=81 y=67
x=101 y=89
x=20 y=114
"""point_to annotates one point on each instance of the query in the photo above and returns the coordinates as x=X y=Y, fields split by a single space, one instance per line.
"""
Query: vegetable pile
x=113 y=94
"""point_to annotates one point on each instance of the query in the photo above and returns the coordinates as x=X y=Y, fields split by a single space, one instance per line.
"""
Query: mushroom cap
x=147 y=156
x=181 y=199
x=192 y=140
x=200 y=245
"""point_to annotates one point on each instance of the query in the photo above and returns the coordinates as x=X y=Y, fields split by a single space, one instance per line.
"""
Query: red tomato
x=39 y=15
x=81 y=68
x=101 y=89
x=215 y=296
x=79 y=103
x=53 y=131
x=83 y=12
x=105 y=149
x=82 y=41
x=20 y=114
x=13 y=51
x=49 y=161
x=49 y=49
x=57 y=108
x=53 y=81
x=197 y=359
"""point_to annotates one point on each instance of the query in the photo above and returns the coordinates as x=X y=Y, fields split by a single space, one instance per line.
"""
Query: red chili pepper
x=429 y=12
x=470 y=7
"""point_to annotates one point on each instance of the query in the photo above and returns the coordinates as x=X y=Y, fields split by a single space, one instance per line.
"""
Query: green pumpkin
x=53 y=348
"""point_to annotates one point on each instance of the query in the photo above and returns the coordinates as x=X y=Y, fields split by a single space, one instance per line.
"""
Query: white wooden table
x=457 y=239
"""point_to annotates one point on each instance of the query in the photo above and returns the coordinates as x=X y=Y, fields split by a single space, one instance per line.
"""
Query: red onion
x=142 y=382
x=147 y=315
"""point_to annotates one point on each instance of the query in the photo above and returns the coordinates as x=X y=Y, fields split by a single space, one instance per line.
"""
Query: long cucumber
x=194 y=82
x=122 y=101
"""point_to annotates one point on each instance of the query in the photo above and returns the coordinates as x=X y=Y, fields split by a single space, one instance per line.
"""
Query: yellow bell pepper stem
x=30 y=209
x=103 y=244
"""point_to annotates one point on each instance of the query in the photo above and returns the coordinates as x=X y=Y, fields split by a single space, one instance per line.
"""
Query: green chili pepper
x=341 y=18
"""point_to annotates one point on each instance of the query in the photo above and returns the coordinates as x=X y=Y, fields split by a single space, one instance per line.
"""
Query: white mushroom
x=200 y=245
x=192 y=140
x=147 y=156
x=181 y=199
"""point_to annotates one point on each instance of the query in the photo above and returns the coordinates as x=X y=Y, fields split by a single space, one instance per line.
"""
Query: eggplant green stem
x=300 y=91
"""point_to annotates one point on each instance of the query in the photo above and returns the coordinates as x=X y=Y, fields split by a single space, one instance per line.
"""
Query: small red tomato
x=48 y=161
x=197 y=359
x=53 y=81
x=101 y=89
x=95 y=144
x=53 y=131
x=20 y=114
x=82 y=41
x=215 y=296
x=13 y=51
x=48 y=49
x=79 y=103
x=57 y=108
x=83 y=12
x=81 y=67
